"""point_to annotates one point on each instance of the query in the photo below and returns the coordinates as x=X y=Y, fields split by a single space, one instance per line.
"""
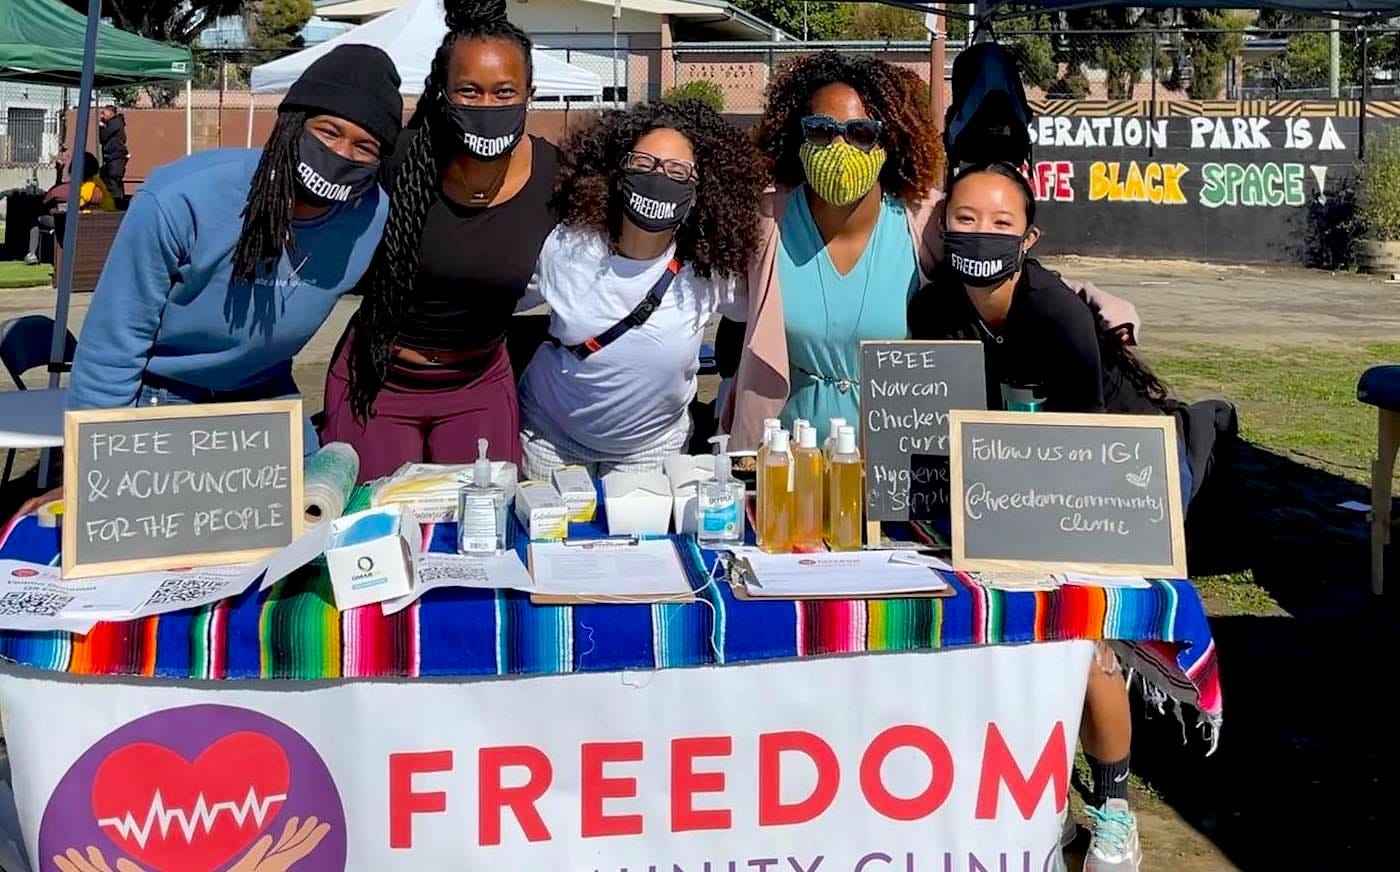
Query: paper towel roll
x=330 y=477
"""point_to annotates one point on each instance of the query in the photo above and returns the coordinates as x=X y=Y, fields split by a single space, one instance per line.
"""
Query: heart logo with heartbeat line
x=175 y=815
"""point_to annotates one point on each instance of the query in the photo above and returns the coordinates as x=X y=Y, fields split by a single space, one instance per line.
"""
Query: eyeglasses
x=863 y=133
x=674 y=168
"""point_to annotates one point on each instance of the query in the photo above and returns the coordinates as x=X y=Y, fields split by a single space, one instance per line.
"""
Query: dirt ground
x=1298 y=781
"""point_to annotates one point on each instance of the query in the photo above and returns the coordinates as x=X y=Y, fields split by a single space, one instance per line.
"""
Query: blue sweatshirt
x=167 y=304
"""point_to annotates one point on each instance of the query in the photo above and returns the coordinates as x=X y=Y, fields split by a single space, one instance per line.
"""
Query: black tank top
x=475 y=263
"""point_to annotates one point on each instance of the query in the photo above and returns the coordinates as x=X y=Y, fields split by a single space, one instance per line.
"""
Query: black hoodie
x=112 y=136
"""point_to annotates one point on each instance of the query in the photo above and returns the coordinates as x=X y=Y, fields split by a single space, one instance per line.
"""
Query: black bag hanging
x=988 y=117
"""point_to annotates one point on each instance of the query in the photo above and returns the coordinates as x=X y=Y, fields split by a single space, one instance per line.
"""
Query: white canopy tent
x=410 y=36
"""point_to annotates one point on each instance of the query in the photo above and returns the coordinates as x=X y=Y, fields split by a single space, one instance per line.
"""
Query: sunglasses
x=863 y=133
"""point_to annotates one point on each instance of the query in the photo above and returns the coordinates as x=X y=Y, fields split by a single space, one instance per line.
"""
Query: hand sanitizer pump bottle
x=482 y=513
x=720 y=503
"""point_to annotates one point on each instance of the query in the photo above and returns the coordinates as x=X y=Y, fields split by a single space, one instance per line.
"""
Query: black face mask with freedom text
x=326 y=178
x=487 y=133
x=983 y=259
x=655 y=201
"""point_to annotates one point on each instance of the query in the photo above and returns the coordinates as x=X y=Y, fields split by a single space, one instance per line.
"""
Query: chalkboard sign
x=906 y=392
x=1099 y=494
x=155 y=486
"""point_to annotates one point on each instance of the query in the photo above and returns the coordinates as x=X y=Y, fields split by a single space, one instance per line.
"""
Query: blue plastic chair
x=1379 y=386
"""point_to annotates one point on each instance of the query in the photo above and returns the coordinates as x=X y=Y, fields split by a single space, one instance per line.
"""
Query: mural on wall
x=1228 y=180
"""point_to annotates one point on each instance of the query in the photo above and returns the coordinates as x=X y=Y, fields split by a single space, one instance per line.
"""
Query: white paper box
x=576 y=489
x=684 y=473
x=639 y=504
x=378 y=569
x=541 y=512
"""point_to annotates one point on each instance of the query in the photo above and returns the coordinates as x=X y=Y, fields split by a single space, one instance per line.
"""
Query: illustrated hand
x=265 y=856
x=72 y=861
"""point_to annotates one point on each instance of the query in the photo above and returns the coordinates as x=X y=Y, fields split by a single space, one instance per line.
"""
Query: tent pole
x=189 y=115
x=251 y=99
x=1365 y=92
x=70 y=227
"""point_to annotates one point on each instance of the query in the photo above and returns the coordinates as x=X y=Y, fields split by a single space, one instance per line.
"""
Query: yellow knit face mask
x=839 y=172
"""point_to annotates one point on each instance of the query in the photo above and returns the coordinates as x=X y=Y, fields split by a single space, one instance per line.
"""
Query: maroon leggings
x=429 y=414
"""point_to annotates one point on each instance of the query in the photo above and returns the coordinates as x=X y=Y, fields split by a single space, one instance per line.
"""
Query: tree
x=277 y=24
x=878 y=21
x=1212 y=47
x=178 y=21
x=823 y=20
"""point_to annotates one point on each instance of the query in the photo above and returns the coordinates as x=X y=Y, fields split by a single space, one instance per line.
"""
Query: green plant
x=1378 y=201
x=702 y=90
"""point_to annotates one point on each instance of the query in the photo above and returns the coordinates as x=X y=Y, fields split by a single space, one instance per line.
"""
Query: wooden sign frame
x=72 y=421
x=1166 y=424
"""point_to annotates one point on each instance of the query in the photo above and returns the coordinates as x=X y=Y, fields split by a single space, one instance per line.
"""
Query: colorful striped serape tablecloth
x=293 y=631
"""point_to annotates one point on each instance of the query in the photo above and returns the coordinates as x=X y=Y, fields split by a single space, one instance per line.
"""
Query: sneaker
x=31 y=259
x=1113 y=841
x=1069 y=830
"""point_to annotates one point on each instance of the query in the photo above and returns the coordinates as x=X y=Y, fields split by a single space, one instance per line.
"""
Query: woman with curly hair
x=848 y=236
x=658 y=227
x=422 y=372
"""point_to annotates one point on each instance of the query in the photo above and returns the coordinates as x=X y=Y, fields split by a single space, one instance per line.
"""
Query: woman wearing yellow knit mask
x=855 y=159
x=847 y=237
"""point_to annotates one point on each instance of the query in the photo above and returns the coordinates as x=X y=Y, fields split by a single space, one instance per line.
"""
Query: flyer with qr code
x=34 y=597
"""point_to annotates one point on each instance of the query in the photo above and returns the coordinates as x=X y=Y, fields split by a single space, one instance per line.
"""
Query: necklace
x=481 y=198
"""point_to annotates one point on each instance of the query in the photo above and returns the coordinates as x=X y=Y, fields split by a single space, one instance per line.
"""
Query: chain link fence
x=1163 y=64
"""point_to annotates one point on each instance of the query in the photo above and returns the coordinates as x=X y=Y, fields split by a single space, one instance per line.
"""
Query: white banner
x=914 y=762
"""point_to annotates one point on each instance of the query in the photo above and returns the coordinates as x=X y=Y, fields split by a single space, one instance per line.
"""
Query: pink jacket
x=761 y=386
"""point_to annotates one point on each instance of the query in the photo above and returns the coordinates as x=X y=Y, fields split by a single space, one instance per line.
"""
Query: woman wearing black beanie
x=229 y=260
x=422 y=372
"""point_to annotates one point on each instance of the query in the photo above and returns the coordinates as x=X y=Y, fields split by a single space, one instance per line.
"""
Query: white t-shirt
x=622 y=399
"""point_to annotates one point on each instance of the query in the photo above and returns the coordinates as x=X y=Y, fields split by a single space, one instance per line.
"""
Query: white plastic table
x=31 y=419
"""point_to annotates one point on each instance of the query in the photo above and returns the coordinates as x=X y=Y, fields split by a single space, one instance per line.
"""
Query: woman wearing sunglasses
x=658 y=226
x=847 y=237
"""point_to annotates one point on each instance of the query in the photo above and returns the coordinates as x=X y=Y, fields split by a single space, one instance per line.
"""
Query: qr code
x=184 y=590
x=44 y=605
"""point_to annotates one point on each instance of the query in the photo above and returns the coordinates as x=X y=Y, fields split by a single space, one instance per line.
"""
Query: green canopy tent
x=45 y=42
x=42 y=41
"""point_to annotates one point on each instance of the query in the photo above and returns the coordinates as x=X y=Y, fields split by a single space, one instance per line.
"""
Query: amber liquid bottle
x=809 y=490
x=775 y=512
x=760 y=500
x=846 y=490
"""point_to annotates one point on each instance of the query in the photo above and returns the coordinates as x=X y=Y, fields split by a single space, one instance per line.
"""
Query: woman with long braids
x=847 y=237
x=422 y=372
x=229 y=261
x=659 y=225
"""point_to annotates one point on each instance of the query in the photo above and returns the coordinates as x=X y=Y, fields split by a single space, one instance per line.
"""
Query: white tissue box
x=576 y=489
x=684 y=474
x=375 y=570
x=541 y=512
x=639 y=504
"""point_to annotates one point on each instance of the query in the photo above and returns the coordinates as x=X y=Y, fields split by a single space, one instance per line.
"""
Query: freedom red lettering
x=872 y=784
x=495 y=798
x=772 y=811
x=596 y=788
x=686 y=782
x=404 y=802
x=999 y=767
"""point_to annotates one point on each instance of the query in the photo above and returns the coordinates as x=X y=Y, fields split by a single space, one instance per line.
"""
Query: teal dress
x=828 y=314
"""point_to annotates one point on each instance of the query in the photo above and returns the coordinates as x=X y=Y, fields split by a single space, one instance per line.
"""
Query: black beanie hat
x=356 y=82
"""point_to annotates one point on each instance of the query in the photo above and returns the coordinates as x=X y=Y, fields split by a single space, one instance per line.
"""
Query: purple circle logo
x=203 y=788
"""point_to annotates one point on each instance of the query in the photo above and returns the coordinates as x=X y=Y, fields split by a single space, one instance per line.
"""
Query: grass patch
x=1235 y=593
x=1295 y=400
x=17 y=274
